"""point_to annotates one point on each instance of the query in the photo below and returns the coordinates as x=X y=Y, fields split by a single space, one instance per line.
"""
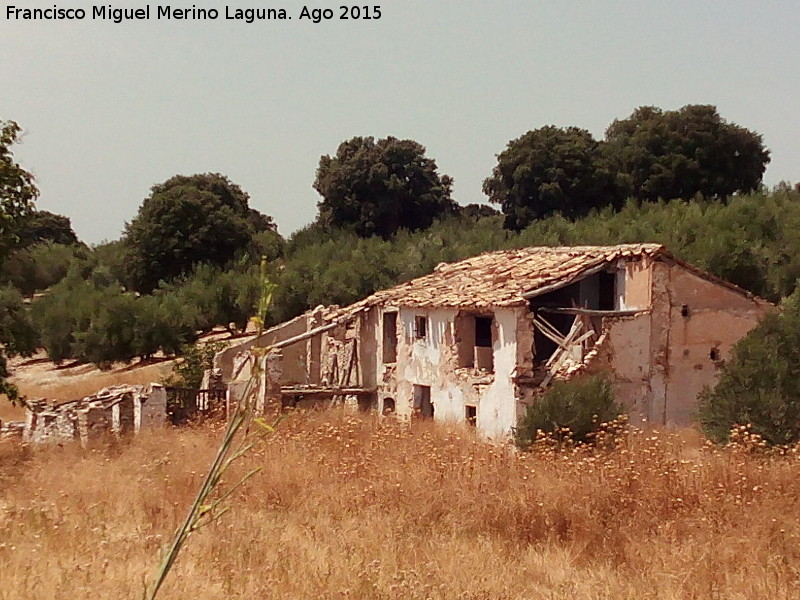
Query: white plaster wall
x=422 y=362
x=432 y=361
x=425 y=353
x=497 y=410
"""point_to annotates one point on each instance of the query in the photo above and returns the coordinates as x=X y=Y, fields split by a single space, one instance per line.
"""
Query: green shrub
x=580 y=406
x=196 y=360
x=17 y=332
x=93 y=319
x=760 y=384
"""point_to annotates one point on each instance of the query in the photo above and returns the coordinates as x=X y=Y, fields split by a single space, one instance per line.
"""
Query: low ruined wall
x=12 y=430
x=113 y=411
x=296 y=367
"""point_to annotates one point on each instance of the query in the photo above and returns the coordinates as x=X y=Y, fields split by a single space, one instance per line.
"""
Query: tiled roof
x=501 y=278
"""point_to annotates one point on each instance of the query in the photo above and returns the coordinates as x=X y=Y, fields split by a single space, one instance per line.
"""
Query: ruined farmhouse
x=477 y=341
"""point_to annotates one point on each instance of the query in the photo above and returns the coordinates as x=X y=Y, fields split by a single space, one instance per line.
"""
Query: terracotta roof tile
x=501 y=278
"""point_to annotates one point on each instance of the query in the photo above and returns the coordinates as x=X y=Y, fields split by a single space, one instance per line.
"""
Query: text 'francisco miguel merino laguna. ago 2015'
x=167 y=12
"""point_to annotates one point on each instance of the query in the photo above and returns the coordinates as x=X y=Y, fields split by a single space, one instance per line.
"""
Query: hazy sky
x=111 y=109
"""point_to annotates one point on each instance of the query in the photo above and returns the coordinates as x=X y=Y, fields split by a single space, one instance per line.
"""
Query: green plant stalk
x=199 y=508
x=242 y=416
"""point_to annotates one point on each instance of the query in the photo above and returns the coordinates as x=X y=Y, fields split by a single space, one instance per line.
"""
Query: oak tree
x=682 y=153
x=550 y=170
x=17 y=189
x=17 y=194
x=378 y=188
x=186 y=221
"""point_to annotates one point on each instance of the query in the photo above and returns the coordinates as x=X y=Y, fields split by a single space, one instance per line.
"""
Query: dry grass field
x=349 y=508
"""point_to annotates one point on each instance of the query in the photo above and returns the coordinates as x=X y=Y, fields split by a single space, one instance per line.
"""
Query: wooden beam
x=576 y=310
x=567 y=344
x=311 y=333
x=565 y=282
x=548 y=330
x=553 y=334
x=338 y=391
x=554 y=365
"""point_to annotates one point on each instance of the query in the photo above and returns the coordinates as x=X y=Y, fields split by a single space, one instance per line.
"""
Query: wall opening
x=600 y=291
x=388 y=406
x=483 y=332
x=484 y=354
x=367 y=402
x=423 y=407
x=474 y=336
x=126 y=414
x=471 y=415
x=420 y=327
x=608 y=290
x=389 y=337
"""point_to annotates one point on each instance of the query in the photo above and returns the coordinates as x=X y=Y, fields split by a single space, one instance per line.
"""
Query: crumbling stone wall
x=117 y=410
x=12 y=430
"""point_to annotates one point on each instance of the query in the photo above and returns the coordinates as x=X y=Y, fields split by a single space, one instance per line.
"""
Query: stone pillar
x=32 y=410
x=269 y=388
x=116 y=419
x=152 y=408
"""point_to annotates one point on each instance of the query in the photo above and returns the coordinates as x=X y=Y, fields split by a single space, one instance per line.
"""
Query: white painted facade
x=431 y=361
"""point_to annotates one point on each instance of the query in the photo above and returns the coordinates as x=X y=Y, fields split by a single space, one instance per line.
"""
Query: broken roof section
x=508 y=278
x=505 y=277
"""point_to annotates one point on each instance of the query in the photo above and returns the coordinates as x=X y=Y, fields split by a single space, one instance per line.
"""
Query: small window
x=420 y=327
x=473 y=335
x=483 y=332
x=714 y=354
x=388 y=406
x=389 y=337
x=472 y=415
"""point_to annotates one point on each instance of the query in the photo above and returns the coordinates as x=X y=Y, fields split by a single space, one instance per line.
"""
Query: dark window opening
x=714 y=354
x=388 y=406
x=473 y=334
x=471 y=414
x=685 y=310
x=607 y=291
x=367 y=402
x=423 y=407
x=483 y=332
x=420 y=327
x=389 y=337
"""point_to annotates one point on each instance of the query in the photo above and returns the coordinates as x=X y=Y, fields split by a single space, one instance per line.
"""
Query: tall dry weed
x=349 y=507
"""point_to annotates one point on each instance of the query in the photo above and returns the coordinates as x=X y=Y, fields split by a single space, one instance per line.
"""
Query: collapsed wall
x=113 y=411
